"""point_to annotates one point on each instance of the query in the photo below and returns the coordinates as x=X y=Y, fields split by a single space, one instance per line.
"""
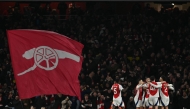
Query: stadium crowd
x=132 y=46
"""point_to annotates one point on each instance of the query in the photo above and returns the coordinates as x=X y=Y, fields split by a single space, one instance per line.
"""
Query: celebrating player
x=138 y=95
x=117 y=99
x=164 y=101
x=153 y=93
x=146 y=93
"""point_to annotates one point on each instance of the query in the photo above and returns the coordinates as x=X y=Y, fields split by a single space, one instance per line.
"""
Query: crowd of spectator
x=128 y=47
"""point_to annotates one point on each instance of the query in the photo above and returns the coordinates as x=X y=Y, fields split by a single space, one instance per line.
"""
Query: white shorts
x=164 y=101
x=118 y=103
x=138 y=103
x=153 y=101
x=145 y=102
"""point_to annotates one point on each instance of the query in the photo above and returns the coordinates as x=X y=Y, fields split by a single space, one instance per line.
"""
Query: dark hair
x=152 y=78
x=163 y=78
x=139 y=79
x=117 y=80
x=147 y=77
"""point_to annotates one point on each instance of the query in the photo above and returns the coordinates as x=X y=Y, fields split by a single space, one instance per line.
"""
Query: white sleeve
x=158 y=82
x=170 y=85
x=139 y=86
x=171 y=88
x=145 y=85
x=156 y=86
x=111 y=87
x=120 y=88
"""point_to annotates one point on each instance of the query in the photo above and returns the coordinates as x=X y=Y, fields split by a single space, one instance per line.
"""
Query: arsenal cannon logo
x=48 y=56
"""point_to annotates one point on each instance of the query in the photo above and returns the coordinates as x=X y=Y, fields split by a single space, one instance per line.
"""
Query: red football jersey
x=164 y=89
x=117 y=90
x=140 y=92
x=147 y=93
x=152 y=90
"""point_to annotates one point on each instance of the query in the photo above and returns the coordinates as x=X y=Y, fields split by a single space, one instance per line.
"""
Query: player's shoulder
x=116 y=84
x=153 y=82
x=164 y=82
x=120 y=85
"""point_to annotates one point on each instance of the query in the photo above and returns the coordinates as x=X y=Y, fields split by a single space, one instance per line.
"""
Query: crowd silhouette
x=132 y=46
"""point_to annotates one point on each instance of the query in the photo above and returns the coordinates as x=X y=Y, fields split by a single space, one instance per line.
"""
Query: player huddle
x=149 y=94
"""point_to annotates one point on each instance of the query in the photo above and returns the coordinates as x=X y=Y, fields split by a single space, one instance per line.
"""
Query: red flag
x=45 y=62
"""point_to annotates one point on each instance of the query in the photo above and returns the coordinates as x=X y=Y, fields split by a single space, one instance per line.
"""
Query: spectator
x=62 y=7
x=131 y=103
x=6 y=107
x=66 y=103
x=26 y=104
x=123 y=47
x=94 y=97
x=40 y=102
x=10 y=99
x=86 y=103
x=108 y=98
x=52 y=101
x=17 y=103
x=171 y=99
x=184 y=101
x=1 y=101
x=47 y=104
x=58 y=99
x=75 y=103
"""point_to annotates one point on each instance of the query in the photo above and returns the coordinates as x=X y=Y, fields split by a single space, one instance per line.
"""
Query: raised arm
x=170 y=86
x=156 y=86
x=120 y=87
x=111 y=87
x=145 y=85
x=159 y=82
x=139 y=86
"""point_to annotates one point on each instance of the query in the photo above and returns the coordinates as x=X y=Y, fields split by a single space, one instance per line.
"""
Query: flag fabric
x=45 y=62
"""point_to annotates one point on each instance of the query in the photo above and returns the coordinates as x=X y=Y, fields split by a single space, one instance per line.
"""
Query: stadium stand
x=132 y=46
